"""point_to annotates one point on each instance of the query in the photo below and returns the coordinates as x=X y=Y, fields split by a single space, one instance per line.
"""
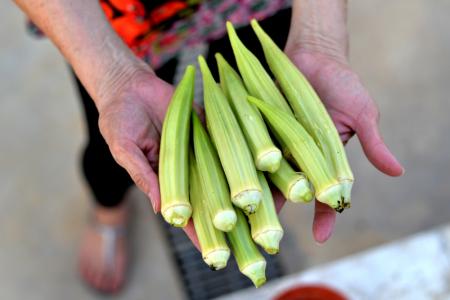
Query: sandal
x=104 y=271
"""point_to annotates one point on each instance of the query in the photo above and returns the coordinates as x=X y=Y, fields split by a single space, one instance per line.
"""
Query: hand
x=352 y=110
x=131 y=122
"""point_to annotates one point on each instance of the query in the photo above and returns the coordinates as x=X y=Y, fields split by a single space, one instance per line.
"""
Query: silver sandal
x=109 y=235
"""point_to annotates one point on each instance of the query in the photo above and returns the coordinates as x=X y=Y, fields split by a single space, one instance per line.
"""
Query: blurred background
x=400 y=49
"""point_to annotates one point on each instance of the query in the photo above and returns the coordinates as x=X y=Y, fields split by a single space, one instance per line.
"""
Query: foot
x=103 y=253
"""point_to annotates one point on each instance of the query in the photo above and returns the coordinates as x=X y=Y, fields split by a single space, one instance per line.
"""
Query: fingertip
x=323 y=224
x=192 y=235
x=376 y=150
x=154 y=202
x=279 y=199
x=321 y=235
x=131 y=157
x=154 y=193
x=383 y=159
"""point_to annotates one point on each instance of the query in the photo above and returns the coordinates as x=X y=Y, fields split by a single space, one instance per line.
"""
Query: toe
x=98 y=279
x=105 y=284
x=118 y=279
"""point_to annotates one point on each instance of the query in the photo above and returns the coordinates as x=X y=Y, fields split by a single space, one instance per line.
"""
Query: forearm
x=319 y=26
x=83 y=35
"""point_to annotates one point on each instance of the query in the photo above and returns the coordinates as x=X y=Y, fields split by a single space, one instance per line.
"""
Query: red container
x=310 y=292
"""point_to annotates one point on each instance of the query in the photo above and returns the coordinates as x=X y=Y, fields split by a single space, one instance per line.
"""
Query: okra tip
x=234 y=39
x=269 y=161
x=346 y=189
x=300 y=191
x=269 y=240
x=202 y=64
x=256 y=271
x=230 y=27
x=190 y=71
x=204 y=69
x=248 y=200
x=256 y=27
x=217 y=259
x=178 y=215
x=223 y=66
x=220 y=59
x=332 y=196
x=254 y=23
x=225 y=220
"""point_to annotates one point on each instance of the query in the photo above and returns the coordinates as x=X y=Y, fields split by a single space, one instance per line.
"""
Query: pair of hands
x=131 y=125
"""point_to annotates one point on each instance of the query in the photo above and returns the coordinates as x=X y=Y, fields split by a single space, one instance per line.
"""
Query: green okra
x=214 y=248
x=230 y=144
x=305 y=152
x=249 y=260
x=265 y=226
x=217 y=195
x=293 y=185
x=267 y=157
x=309 y=110
x=256 y=79
x=173 y=157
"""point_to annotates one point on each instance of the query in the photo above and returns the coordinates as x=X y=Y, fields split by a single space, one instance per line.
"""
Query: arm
x=319 y=26
x=83 y=35
x=130 y=99
x=318 y=45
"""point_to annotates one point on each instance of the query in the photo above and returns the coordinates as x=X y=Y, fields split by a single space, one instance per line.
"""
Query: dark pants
x=107 y=180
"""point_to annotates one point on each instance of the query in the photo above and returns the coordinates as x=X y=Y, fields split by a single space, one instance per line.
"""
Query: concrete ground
x=400 y=48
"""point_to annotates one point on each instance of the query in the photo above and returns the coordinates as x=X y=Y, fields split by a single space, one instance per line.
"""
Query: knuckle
x=140 y=182
x=103 y=123
x=119 y=151
x=377 y=115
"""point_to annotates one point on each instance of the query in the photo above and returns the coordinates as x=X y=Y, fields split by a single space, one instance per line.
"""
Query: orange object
x=311 y=292
x=107 y=10
x=134 y=7
x=166 y=11
x=129 y=28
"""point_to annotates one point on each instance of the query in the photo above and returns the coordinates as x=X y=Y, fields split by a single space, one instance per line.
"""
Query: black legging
x=107 y=180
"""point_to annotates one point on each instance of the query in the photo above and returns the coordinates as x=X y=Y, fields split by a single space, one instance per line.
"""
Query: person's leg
x=108 y=183
x=103 y=255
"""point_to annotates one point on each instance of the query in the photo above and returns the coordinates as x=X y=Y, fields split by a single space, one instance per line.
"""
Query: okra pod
x=214 y=248
x=267 y=157
x=309 y=110
x=293 y=185
x=265 y=226
x=249 y=260
x=173 y=156
x=230 y=144
x=217 y=195
x=305 y=152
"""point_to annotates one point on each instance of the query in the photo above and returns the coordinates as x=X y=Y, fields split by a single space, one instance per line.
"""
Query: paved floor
x=400 y=48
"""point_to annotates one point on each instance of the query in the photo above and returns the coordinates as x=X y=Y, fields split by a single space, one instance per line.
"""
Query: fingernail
x=403 y=172
x=153 y=204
